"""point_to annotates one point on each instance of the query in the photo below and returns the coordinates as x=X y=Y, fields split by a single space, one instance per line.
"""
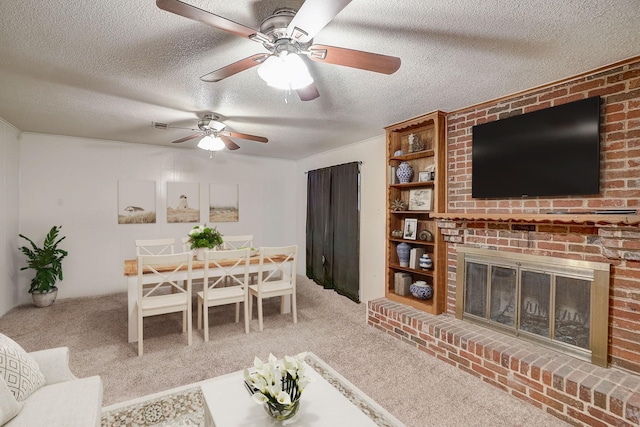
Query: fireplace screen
x=548 y=302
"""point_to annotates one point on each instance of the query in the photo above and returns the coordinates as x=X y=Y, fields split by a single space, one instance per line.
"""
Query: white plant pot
x=44 y=299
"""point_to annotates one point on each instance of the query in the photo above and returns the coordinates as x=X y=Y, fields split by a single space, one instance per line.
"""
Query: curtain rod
x=359 y=162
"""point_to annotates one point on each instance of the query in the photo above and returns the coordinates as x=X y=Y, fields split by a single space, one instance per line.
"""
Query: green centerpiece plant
x=47 y=262
x=202 y=236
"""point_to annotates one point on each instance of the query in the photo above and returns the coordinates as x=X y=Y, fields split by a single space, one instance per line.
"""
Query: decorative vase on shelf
x=404 y=172
x=404 y=250
x=426 y=263
x=282 y=413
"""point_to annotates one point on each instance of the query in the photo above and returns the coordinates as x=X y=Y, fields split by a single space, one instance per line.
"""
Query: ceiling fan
x=214 y=137
x=287 y=35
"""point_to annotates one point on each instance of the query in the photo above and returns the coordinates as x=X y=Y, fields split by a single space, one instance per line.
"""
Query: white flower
x=278 y=381
x=259 y=398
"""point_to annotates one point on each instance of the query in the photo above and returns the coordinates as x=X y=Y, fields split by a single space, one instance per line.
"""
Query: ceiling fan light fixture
x=211 y=143
x=287 y=72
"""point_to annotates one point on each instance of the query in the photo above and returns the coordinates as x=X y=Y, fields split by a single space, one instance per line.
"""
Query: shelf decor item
x=278 y=384
x=404 y=252
x=425 y=235
x=420 y=199
x=404 y=172
x=426 y=263
x=421 y=290
x=398 y=205
x=410 y=228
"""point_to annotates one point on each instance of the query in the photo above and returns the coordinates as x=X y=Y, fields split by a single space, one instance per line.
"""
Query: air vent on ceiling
x=159 y=125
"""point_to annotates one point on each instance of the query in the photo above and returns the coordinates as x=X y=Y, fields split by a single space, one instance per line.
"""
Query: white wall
x=73 y=182
x=9 y=215
x=371 y=153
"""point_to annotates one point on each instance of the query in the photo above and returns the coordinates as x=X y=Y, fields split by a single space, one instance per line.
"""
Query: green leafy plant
x=204 y=237
x=46 y=261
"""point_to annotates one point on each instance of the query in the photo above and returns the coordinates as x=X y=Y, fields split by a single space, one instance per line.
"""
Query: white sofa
x=64 y=401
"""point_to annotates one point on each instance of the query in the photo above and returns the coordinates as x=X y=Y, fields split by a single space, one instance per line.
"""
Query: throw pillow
x=20 y=371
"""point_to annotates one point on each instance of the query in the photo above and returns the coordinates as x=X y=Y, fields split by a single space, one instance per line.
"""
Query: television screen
x=550 y=152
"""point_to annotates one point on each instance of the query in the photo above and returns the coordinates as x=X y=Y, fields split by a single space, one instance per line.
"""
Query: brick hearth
x=577 y=392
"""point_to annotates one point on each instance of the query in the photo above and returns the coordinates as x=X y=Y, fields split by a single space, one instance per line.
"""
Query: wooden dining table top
x=131 y=265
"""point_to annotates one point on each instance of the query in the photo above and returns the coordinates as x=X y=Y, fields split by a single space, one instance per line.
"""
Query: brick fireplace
x=571 y=389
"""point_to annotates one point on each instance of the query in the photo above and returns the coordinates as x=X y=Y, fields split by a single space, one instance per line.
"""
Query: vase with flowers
x=278 y=384
x=202 y=238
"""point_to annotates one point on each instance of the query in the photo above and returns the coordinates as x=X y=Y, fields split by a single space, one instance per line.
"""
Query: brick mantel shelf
x=542 y=218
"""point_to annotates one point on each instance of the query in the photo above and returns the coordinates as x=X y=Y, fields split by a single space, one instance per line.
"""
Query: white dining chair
x=167 y=270
x=237 y=242
x=276 y=277
x=155 y=246
x=232 y=266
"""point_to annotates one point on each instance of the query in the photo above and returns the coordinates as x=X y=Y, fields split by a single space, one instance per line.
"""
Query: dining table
x=197 y=272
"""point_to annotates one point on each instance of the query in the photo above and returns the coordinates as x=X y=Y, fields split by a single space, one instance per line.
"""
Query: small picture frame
x=425 y=176
x=410 y=229
x=420 y=199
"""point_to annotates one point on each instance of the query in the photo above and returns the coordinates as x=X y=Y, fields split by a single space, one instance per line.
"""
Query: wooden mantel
x=568 y=218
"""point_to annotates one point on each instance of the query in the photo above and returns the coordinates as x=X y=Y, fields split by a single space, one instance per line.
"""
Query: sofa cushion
x=9 y=406
x=19 y=370
x=76 y=403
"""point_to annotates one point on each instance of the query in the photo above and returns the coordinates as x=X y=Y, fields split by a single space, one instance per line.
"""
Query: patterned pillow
x=19 y=370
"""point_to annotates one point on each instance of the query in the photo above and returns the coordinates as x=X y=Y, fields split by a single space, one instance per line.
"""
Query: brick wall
x=577 y=392
x=619 y=87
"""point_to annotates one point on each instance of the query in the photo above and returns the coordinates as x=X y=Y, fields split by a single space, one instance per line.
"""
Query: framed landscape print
x=223 y=203
x=183 y=202
x=420 y=199
x=136 y=202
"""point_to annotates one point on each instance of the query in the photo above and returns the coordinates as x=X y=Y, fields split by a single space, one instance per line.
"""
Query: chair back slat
x=237 y=242
x=173 y=264
x=274 y=268
x=237 y=272
x=155 y=247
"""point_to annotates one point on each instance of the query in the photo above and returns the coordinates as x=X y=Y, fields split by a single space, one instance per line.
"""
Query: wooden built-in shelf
x=420 y=304
x=413 y=184
x=411 y=242
x=398 y=267
x=568 y=218
x=412 y=156
x=410 y=212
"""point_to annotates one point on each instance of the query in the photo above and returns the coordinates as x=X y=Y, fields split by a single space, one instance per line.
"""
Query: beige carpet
x=418 y=389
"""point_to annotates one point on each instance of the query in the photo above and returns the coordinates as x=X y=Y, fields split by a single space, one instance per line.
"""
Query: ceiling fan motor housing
x=275 y=26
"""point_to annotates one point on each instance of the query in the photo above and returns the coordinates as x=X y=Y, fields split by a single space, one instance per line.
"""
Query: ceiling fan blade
x=229 y=143
x=245 y=136
x=308 y=93
x=192 y=12
x=236 y=67
x=313 y=16
x=186 y=138
x=354 y=58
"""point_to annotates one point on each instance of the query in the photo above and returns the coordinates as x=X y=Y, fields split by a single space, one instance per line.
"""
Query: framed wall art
x=136 y=202
x=410 y=229
x=420 y=199
x=223 y=203
x=183 y=202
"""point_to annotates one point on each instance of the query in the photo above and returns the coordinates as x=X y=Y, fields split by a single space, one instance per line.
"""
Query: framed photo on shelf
x=420 y=199
x=410 y=229
x=425 y=176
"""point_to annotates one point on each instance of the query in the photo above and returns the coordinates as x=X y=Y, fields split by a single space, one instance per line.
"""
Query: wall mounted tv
x=549 y=152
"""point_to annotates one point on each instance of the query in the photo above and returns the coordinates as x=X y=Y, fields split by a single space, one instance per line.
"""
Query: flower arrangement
x=278 y=384
x=202 y=236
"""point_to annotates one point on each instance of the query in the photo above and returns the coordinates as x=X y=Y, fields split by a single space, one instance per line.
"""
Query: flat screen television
x=549 y=152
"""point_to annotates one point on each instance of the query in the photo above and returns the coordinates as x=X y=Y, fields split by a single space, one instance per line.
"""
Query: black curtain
x=333 y=228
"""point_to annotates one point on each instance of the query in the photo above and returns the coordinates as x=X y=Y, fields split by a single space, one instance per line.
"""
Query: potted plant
x=47 y=262
x=202 y=237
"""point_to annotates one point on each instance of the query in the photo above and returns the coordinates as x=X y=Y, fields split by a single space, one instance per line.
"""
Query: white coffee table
x=228 y=404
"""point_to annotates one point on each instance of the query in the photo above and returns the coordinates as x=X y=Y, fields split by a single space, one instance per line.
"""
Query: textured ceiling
x=108 y=69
